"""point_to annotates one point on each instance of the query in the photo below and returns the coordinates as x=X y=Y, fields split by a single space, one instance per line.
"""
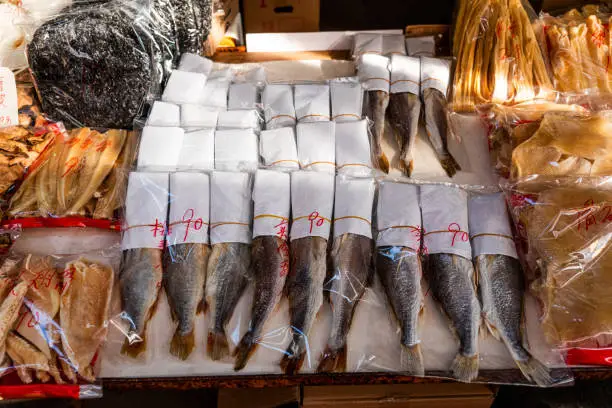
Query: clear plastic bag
x=79 y=180
x=55 y=312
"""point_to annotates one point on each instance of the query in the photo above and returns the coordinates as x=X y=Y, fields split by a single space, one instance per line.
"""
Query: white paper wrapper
x=9 y=109
x=215 y=94
x=160 y=148
x=164 y=114
x=239 y=119
x=198 y=116
x=189 y=208
x=346 y=99
x=393 y=44
x=490 y=226
x=278 y=106
x=445 y=220
x=243 y=96
x=198 y=150
x=311 y=102
x=353 y=156
x=353 y=206
x=184 y=87
x=405 y=74
x=435 y=73
x=236 y=150
x=367 y=43
x=312 y=203
x=230 y=207
x=421 y=46
x=271 y=197
x=316 y=146
x=373 y=72
x=194 y=63
x=146 y=207
x=278 y=149
x=398 y=216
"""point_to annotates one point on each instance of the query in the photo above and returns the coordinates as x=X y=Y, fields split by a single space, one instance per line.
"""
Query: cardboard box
x=281 y=16
x=443 y=395
x=285 y=397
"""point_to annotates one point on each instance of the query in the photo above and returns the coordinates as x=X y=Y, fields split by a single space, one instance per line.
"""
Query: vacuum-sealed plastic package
x=316 y=146
x=498 y=56
x=55 y=313
x=404 y=108
x=353 y=155
x=79 y=180
x=279 y=111
x=236 y=150
x=278 y=149
x=311 y=102
x=346 y=99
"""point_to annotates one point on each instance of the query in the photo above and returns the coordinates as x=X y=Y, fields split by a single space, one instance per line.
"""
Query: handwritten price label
x=190 y=222
x=315 y=220
x=456 y=230
x=594 y=215
x=9 y=115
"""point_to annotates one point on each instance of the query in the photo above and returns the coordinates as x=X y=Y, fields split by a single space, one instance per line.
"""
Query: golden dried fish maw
x=602 y=167
x=26 y=355
x=523 y=132
x=9 y=311
x=531 y=158
x=84 y=311
x=598 y=51
x=587 y=137
x=43 y=285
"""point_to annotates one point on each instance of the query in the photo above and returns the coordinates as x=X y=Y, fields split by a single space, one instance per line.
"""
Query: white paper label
x=160 y=148
x=271 y=197
x=405 y=74
x=398 y=216
x=311 y=102
x=490 y=226
x=278 y=149
x=435 y=73
x=346 y=100
x=278 y=106
x=312 y=203
x=146 y=207
x=230 y=208
x=353 y=156
x=373 y=72
x=353 y=206
x=9 y=112
x=236 y=150
x=189 y=208
x=393 y=44
x=445 y=220
x=316 y=146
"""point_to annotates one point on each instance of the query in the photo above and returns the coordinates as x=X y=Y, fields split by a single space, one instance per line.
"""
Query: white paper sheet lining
x=445 y=220
x=194 y=63
x=421 y=46
x=272 y=201
x=346 y=99
x=393 y=44
x=198 y=150
x=278 y=106
x=353 y=156
x=230 y=207
x=160 y=148
x=164 y=114
x=367 y=43
x=312 y=203
x=242 y=96
x=198 y=116
x=215 y=94
x=398 y=215
x=373 y=72
x=239 y=119
x=435 y=73
x=184 y=87
x=311 y=102
x=490 y=226
x=146 y=207
x=405 y=74
x=353 y=206
x=189 y=208
x=316 y=146
x=278 y=149
x=236 y=150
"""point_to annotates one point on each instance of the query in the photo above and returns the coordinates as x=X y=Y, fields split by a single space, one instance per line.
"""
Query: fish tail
x=465 y=368
x=293 y=358
x=333 y=360
x=406 y=166
x=536 y=371
x=244 y=350
x=450 y=165
x=383 y=162
x=134 y=349
x=412 y=360
x=217 y=345
x=182 y=345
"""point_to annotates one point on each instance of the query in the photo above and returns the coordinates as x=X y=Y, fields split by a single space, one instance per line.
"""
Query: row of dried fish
x=52 y=320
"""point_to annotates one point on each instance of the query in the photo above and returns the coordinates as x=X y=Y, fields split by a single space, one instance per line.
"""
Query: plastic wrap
x=346 y=99
x=353 y=155
x=278 y=149
x=316 y=146
x=236 y=150
x=498 y=56
x=311 y=102
x=279 y=111
x=79 y=180
x=55 y=315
